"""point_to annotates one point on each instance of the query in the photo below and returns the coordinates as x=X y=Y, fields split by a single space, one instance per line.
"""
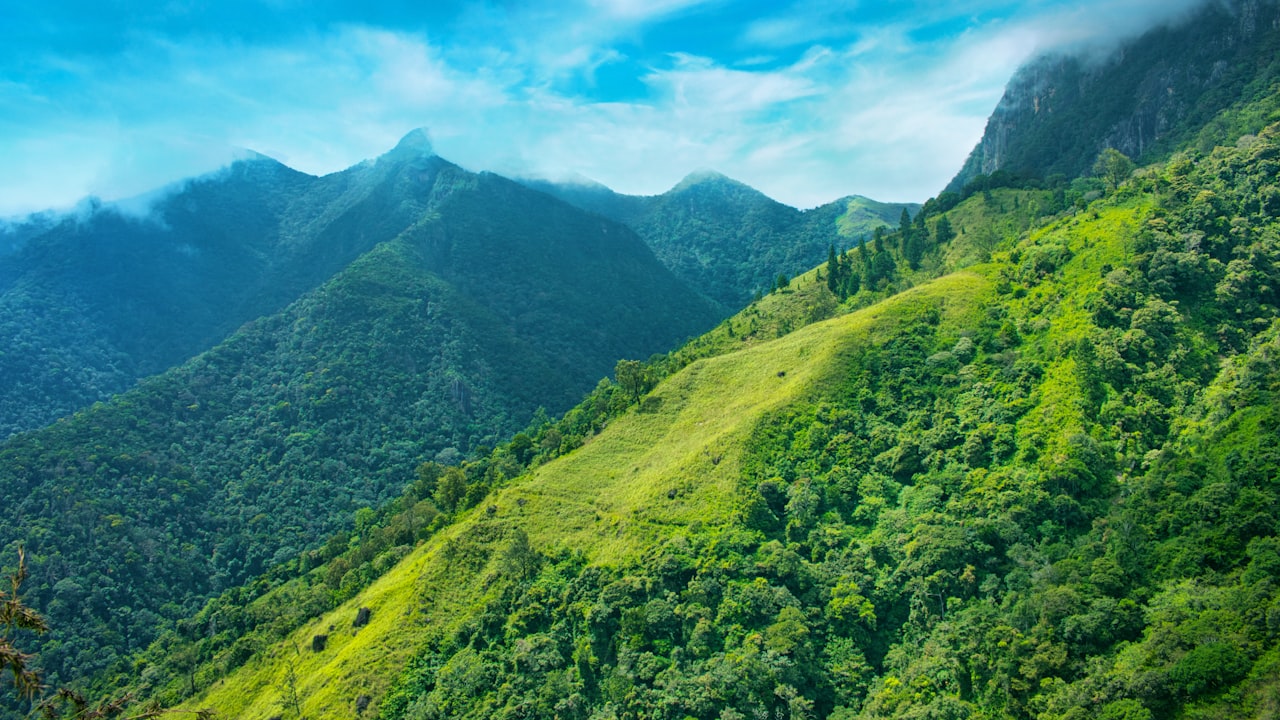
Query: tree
x=452 y=488
x=631 y=377
x=1113 y=166
x=942 y=231
x=913 y=249
x=833 y=269
x=14 y=615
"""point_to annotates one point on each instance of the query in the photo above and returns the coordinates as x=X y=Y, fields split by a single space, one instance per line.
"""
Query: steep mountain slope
x=1044 y=486
x=653 y=473
x=91 y=303
x=1148 y=97
x=94 y=301
x=727 y=239
x=493 y=303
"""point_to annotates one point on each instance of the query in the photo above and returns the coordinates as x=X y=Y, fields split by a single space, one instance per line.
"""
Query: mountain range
x=1011 y=456
x=729 y=240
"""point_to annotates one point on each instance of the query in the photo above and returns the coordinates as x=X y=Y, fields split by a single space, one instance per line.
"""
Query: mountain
x=1028 y=473
x=727 y=239
x=1041 y=486
x=488 y=303
x=93 y=301
x=1160 y=92
x=1015 y=458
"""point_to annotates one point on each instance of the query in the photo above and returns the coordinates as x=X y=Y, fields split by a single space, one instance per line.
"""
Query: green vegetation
x=1013 y=457
x=1028 y=489
x=729 y=240
x=430 y=347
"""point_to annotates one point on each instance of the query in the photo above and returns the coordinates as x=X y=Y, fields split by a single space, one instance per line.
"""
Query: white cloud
x=870 y=111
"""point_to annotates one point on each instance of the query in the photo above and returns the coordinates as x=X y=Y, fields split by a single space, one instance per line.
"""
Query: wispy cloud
x=807 y=101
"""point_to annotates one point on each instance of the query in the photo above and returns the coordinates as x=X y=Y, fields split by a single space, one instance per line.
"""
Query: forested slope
x=729 y=240
x=1045 y=486
x=451 y=337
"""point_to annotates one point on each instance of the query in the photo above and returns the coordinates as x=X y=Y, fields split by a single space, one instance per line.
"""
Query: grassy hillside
x=429 y=347
x=1040 y=487
x=673 y=462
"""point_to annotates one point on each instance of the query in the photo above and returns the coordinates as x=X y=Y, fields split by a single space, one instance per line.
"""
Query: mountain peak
x=417 y=143
x=704 y=177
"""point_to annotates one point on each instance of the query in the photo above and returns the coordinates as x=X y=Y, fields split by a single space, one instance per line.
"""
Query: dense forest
x=447 y=339
x=729 y=240
x=1012 y=455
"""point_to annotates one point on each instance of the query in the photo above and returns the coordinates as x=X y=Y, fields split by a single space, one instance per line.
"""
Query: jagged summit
x=416 y=143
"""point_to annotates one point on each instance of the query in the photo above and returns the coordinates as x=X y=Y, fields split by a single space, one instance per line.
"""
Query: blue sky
x=807 y=100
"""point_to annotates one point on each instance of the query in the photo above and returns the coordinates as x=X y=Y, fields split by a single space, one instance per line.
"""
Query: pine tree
x=942 y=232
x=904 y=230
x=913 y=250
x=833 y=270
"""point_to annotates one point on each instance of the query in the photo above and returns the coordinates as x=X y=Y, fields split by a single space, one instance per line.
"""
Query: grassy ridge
x=1027 y=489
x=672 y=462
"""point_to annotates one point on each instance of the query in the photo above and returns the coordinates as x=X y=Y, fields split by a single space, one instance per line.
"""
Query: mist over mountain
x=1143 y=98
x=94 y=301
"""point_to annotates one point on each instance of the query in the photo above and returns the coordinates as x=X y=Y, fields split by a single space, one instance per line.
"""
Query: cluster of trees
x=877 y=268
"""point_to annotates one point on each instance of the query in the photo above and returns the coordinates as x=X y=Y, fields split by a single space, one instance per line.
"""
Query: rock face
x=1060 y=110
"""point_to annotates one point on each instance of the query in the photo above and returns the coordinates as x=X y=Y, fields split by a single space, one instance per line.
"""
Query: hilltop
x=727 y=239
